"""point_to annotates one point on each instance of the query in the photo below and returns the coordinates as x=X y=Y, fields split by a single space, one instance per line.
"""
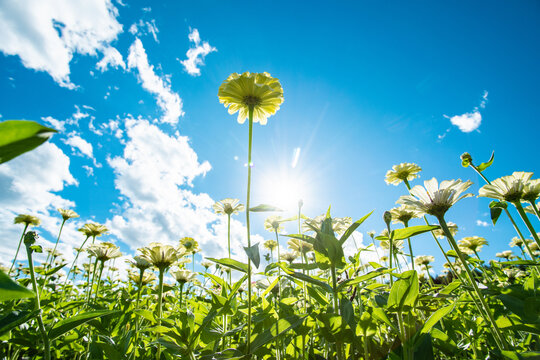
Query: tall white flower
x=435 y=199
x=507 y=188
x=402 y=172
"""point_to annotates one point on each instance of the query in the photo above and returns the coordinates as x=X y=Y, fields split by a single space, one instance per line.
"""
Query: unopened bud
x=466 y=159
x=30 y=238
x=387 y=217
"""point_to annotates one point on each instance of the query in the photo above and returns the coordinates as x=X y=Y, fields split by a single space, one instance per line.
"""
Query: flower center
x=251 y=100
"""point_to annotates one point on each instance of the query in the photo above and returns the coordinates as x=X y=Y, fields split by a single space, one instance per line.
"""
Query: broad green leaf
x=264 y=208
x=253 y=254
x=20 y=136
x=404 y=292
x=495 y=210
x=450 y=287
x=147 y=314
x=353 y=228
x=307 y=278
x=15 y=318
x=357 y=280
x=435 y=317
x=10 y=290
x=282 y=326
x=71 y=323
x=270 y=287
x=401 y=234
x=379 y=314
x=230 y=263
x=299 y=266
x=485 y=165
x=51 y=271
x=518 y=262
x=347 y=312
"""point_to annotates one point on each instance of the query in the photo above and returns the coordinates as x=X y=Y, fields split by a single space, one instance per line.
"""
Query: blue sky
x=146 y=148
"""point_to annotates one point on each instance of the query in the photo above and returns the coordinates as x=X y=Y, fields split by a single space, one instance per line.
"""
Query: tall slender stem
x=336 y=308
x=73 y=265
x=55 y=245
x=501 y=342
x=229 y=240
x=527 y=222
x=250 y=143
x=160 y=295
x=410 y=247
x=18 y=247
x=37 y=305
x=535 y=208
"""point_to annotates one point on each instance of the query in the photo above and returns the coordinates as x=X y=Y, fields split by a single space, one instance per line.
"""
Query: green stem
x=527 y=222
x=535 y=208
x=250 y=144
x=501 y=342
x=229 y=240
x=55 y=245
x=37 y=305
x=336 y=308
x=160 y=295
x=101 y=266
x=72 y=266
x=18 y=247
x=279 y=268
x=410 y=247
x=92 y=283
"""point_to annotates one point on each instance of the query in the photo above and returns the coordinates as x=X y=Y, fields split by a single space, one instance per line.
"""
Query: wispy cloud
x=145 y=28
x=470 y=121
x=78 y=143
x=167 y=100
x=482 y=223
x=111 y=58
x=196 y=54
x=46 y=36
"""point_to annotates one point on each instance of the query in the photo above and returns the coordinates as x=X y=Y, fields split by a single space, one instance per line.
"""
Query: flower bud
x=466 y=159
x=387 y=217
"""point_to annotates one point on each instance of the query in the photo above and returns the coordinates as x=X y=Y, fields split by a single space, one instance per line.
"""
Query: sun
x=285 y=191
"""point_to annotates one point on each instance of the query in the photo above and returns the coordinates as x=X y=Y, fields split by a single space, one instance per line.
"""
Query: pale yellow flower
x=273 y=223
x=289 y=256
x=206 y=264
x=190 y=244
x=507 y=188
x=147 y=277
x=139 y=262
x=104 y=251
x=516 y=242
x=183 y=276
x=270 y=244
x=228 y=206
x=403 y=214
x=435 y=199
x=504 y=254
x=160 y=255
x=402 y=172
x=472 y=244
x=424 y=260
x=93 y=229
x=261 y=92
x=440 y=232
x=339 y=225
x=531 y=190
x=27 y=220
x=300 y=246
x=68 y=214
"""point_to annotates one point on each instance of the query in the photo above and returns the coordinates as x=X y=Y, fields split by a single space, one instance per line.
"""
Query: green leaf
x=401 y=234
x=20 y=136
x=484 y=166
x=15 y=318
x=36 y=248
x=518 y=262
x=253 y=254
x=357 y=280
x=347 y=312
x=10 y=290
x=230 y=263
x=264 y=208
x=352 y=228
x=147 y=314
x=495 y=210
x=307 y=278
x=51 y=271
x=405 y=291
x=71 y=323
x=435 y=317
x=282 y=326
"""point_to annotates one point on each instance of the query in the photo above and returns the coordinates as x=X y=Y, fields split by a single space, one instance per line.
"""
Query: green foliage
x=20 y=136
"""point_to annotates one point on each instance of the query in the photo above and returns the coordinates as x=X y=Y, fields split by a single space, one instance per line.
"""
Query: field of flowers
x=311 y=302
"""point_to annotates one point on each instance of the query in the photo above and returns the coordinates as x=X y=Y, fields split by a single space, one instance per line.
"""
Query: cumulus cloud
x=167 y=100
x=154 y=175
x=45 y=34
x=196 y=54
x=54 y=123
x=145 y=28
x=29 y=185
x=111 y=59
x=470 y=121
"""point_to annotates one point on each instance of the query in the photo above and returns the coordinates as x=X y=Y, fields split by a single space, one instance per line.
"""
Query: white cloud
x=45 y=34
x=196 y=54
x=29 y=185
x=154 y=175
x=145 y=28
x=471 y=121
x=54 y=123
x=78 y=143
x=167 y=100
x=89 y=170
x=111 y=58
x=482 y=223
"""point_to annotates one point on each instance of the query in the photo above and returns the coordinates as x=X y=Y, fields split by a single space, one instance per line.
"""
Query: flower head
x=403 y=214
x=139 y=262
x=435 y=199
x=183 y=276
x=372 y=233
x=339 y=225
x=273 y=223
x=507 y=188
x=104 y=251
x=147 y=277
x=206 y=264
x=531 y=190
x=505 y=254
x=270 y=244
x=289 y=256
x=440 y=232
x=300 y=246
x=160 y=255
x=27 y=220
x=424 y=260
x=471 y=244
x=529 y=209
x=258 y=91
x=516 y=242
x=228 y=206
x=93 y=229
x=68 y=214
x=190 y=244
x=402 y=172
x=397 y=245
